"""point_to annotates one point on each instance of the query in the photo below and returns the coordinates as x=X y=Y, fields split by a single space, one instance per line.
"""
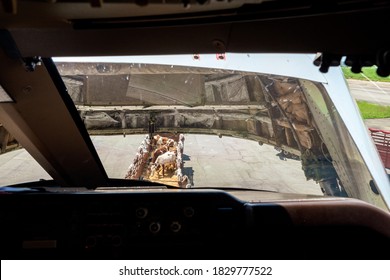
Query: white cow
x=166 y=158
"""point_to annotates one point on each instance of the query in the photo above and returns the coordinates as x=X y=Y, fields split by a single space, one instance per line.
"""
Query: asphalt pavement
x=370 y=91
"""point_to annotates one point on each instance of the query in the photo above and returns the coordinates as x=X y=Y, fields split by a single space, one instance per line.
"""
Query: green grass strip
x=368 y=73
x=373 y=111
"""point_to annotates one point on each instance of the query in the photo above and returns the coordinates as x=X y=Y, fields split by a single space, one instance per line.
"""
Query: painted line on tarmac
x=372 y=82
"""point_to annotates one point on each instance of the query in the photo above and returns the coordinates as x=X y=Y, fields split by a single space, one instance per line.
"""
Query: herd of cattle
x=160 y=158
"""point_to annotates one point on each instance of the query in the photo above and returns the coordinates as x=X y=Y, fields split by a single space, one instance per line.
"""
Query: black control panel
x=185 y=224
x=118 y=225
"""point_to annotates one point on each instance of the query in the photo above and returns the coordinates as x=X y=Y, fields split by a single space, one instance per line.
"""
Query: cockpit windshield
x=220 y=121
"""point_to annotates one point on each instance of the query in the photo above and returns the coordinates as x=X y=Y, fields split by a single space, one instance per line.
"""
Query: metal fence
x=382 y=141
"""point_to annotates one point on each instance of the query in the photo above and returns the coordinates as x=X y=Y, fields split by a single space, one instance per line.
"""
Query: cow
x=164 y=159
x=158 y=152
x=161 y=140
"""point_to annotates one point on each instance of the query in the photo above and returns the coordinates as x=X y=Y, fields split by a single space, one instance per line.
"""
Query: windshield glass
x=261 y=122
x=206 y=121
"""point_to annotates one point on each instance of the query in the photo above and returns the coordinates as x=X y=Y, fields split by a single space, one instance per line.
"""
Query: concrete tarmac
x=383 y=124
x=370 y=91
x=209 y=161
